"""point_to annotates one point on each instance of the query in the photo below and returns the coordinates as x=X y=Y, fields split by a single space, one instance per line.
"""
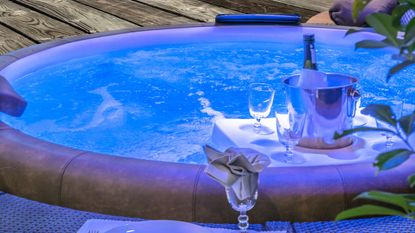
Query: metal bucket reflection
x=328 y=109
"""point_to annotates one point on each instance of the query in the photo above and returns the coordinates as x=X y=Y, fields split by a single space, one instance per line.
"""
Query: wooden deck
x=28 y=22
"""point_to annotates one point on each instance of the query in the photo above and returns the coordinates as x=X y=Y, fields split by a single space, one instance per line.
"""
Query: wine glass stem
x=243 y=221
x=289 y=151
x=257 y=125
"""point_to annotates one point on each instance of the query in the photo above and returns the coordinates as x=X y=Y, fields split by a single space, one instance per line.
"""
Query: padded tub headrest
x=11 y=103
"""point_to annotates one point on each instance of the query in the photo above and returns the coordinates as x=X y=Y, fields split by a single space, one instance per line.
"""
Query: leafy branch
x=402 y=128
x=397 y=35
x=357 y=7
x=403 y=205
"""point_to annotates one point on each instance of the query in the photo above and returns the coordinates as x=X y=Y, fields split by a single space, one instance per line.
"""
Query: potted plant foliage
x=400 y=35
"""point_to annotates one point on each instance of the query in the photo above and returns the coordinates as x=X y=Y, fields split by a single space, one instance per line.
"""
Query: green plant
x=397 y=35
x=401 y=37
x=401 y=128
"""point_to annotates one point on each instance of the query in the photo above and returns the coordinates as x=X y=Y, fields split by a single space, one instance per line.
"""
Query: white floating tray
x=239 y=133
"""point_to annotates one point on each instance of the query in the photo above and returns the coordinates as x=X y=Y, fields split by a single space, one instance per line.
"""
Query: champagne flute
x=261 y=97
x=289 y=130
x=244 y=205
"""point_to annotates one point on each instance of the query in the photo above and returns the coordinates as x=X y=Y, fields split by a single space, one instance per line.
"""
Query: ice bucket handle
x=353 y=97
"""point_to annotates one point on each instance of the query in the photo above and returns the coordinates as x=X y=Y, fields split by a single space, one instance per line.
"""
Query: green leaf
x=409 y=39
x=366 y=210
x=397 y=14
x=390 y=159
x=353 y=30
x=357 y=7
x=382 y=23
x=410 y=33
x=381 y=112
x=359 y=129
x=407 y=123
x=372 y=44
x=385 y=197
x=409 y=197
x=410 y=2
x=398 y=67
x=411 y=49
x=411 y=181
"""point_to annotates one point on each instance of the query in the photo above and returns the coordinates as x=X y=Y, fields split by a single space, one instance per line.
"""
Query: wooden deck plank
x=136 y=12
x=32 y=24
x=194 y=9
x=25 y=22
x=10 y=40
x=264 y=6
x=78 y=15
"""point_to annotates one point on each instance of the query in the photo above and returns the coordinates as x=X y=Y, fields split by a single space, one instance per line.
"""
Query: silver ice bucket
x=328 y=109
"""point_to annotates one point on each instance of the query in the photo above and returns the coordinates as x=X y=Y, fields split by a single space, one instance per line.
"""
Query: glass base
x=282 y=157
x=262 y=130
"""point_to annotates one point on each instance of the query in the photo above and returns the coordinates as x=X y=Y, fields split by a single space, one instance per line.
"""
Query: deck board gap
x=106 y=12
x=138 y=12
x=49 y=15
x=169 y=11
x=110 y=13
x=20 y=33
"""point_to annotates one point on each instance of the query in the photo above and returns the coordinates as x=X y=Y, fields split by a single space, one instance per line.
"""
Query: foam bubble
x=206 y=108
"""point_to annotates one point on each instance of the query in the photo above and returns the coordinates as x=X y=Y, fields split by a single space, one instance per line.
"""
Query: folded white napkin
x=236 y=168
x=102 y=226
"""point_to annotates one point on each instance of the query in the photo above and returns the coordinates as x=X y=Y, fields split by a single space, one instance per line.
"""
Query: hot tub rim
x=192 y=213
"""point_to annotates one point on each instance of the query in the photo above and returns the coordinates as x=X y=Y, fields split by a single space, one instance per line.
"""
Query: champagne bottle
x=310 y=77
x=309 y=52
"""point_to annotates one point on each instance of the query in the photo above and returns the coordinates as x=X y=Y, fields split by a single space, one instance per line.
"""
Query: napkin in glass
x=236 y=168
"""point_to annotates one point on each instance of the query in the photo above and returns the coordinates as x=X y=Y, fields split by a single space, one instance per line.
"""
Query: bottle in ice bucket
x=325 y=99
x=309 y=52
x=310 y=78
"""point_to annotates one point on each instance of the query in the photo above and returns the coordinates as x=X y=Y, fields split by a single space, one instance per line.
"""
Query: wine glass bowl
x=261 y=97
x=289 y=130
x=243 y=204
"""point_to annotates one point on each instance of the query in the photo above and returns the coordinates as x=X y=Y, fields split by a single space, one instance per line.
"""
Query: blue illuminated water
x=160 y=102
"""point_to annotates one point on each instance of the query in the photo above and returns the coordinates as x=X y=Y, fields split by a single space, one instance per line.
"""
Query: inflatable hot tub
x=115 y=122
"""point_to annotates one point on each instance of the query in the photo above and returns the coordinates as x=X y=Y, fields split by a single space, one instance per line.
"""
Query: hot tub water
x=160 y=102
